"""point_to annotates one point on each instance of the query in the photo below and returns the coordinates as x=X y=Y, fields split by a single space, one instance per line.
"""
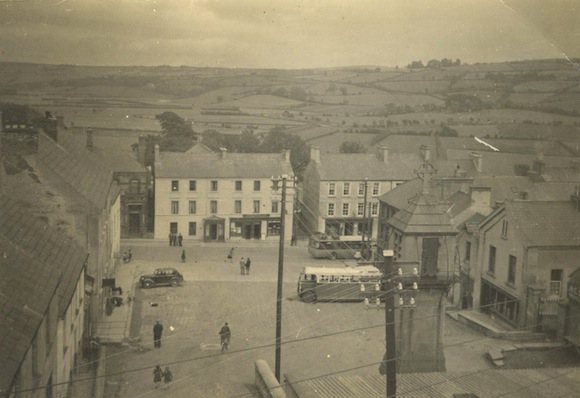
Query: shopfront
x=254 y=227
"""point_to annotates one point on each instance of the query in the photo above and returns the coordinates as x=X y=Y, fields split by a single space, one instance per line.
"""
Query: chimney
x=315 y=154
x=141 y=149
x=60 y=122
x=287 y=155
x=90 y=139
x=539 y=166
x=384 y=151
x=480 y=196
x=425 y=153
x=224 y=153
x=156 y=157
x=575 y=198
x=477 y=161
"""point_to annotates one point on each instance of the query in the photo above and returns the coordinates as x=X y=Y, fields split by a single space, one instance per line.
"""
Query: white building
x=217 y=197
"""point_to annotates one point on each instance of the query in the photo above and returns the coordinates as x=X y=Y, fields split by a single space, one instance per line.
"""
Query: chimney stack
x=315 y=154
x=224 y=153
x=425 y=153
x=156 y=158
x=287 y=155
x=90 y=139
x=477 y=161
x=384 y=151
x=480 y=196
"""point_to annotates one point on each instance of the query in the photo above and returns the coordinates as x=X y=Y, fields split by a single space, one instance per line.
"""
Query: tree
x=278 y=140
x=352 y=147
x=248 y=142
x=173 y=124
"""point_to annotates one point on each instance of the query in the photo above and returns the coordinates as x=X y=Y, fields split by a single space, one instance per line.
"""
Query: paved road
x=320 y=338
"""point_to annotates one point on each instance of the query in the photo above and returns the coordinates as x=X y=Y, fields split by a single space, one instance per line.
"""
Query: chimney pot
x=385 y=153
x=315 y=154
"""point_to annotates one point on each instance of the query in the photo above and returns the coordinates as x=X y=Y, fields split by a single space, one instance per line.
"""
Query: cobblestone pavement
x=320 y=339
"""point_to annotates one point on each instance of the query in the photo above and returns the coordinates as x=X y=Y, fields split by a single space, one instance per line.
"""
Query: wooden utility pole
x=391 y=355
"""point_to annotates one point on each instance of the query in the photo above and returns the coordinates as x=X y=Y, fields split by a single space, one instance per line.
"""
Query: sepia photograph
x=289 y=198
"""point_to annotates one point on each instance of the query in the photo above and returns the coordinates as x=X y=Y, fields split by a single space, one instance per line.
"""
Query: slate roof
x=84 y=170
x=541 y=224
x=211 y=165
x=358 y=166
x=37 y=262
x=423 y=215
x=487 y=383
x=119 y=161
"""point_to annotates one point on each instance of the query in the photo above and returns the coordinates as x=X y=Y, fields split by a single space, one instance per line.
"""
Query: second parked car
x=161 y=277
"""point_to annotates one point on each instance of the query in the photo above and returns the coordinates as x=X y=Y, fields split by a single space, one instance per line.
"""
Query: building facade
x=219 y=197
x=341 y=191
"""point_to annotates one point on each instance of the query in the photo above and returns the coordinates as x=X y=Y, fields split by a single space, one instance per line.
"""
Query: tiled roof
x=358 y=166
x=212 y=165
x=119 y=161
x=545 y=223
x=508 y=383
x=37 y=262
x=82 y=169
x=199 y=148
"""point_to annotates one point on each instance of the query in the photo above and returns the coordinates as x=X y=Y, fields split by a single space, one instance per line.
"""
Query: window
x=256 y=185
x=256 y=206
x=504 y=229
x=556 y=281
x=192 y=185
x=360 y=209
x=491 y=264
x=361 y=189
x=214 y=185
x=331 y=189
x=192 y=228
x=174 y=207
x=374 y=209
x=238 y=185
x=467 y=251
x=238 y=206
x=213 y=206
x=175 y=185
x=345 y=209
x=275 y=206
x=376 y=188
x=330 y=210
x=134 y=187
x=192 y=207
x=273 y=228
x=173 y=227
x=346 y=189
x=512 y=270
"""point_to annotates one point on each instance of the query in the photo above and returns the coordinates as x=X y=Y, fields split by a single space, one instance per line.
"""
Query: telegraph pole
x=275 y=187
x=391 y=354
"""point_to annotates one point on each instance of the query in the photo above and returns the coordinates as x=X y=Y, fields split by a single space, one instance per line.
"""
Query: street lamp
x=275 y=187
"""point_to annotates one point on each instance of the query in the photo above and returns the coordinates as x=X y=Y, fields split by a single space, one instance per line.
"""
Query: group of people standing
x=245 y=266
x=160 y=375
x=175 y=239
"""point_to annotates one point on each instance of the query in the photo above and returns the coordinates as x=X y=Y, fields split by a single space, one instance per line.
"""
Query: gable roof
x=82 y=169
x=358 y=166
x=214 y=165
x=541 y=224
x=38 y=262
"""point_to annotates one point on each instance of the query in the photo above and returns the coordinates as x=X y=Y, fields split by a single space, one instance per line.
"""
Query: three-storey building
x=217 y=197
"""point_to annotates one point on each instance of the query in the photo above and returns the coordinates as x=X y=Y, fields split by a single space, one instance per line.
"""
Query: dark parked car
x=161 y=277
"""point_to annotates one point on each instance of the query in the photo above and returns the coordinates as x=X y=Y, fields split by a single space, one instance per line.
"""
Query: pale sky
x=285 y=33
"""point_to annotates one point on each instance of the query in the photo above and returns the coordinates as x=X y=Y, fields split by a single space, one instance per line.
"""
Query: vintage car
x=161 y=277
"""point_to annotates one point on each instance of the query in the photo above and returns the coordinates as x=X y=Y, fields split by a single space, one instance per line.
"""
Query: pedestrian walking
x=157 y=376
x=247 y=265
x=180 y=239
x=231 y=255
x=167 y=377
x=183 y=256
x=173 y=238
x=157 y=332
x=170 y=238
x=242 y=266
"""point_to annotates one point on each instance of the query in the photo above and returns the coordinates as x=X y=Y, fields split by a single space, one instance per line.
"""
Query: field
x=522 y=100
